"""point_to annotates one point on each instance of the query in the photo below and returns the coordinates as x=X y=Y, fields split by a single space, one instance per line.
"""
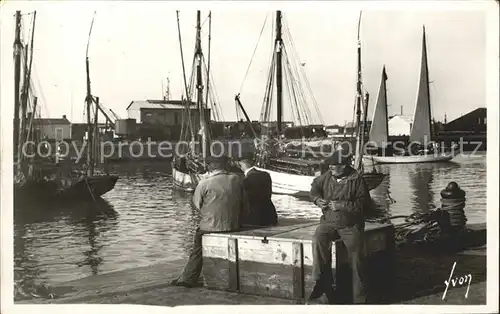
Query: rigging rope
x=184 y=70
x=253 y=54
x=288 y=34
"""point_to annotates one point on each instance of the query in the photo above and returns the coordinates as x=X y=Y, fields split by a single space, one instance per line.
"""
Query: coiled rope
x=455 y=209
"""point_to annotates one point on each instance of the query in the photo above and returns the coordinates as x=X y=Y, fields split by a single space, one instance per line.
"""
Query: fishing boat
x=40 y=178
x=292 y=174
x=422 y=149
x=189 y=167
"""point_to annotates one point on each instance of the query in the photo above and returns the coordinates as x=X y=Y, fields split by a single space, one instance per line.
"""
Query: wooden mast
x=279 y=77
x=358 y=159
x=426 y=64
x=199 y=87
x=89 y=100
x=422 y=121
x=25 y=91
x=17 y=78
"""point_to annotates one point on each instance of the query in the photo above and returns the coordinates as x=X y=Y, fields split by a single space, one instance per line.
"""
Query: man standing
x=343 y=197
x=222 y=202
x=258 y=186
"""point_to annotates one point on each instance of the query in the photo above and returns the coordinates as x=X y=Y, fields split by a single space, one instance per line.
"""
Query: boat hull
x=409 y=159
x=300 y=185
x=185 y=181
x=88 y=187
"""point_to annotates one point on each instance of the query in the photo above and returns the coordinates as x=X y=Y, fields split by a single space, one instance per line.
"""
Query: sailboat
x=40 y=179
x=189 y=167
x=421 y=131
x=290 y=175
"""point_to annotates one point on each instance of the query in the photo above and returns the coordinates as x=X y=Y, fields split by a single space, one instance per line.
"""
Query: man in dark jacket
x=258 y=187
x=343 y=197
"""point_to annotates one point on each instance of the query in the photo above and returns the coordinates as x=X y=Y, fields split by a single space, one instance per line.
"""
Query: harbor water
x=144 y=220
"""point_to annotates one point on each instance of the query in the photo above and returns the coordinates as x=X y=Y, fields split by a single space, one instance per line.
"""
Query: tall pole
x=27 y=80
x=199 y=87
x=17 y=78
x=357 y=161
x=424 y=51
x=96 y=132
x=89 y=100
x=24 y=105
x=279 y=77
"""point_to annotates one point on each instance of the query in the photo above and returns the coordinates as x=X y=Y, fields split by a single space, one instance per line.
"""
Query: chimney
x=401 y=110
x=64 y=116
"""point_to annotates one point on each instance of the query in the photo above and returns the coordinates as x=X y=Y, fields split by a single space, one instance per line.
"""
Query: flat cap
x=338 y=158
x=217 y=159
x=246 y=157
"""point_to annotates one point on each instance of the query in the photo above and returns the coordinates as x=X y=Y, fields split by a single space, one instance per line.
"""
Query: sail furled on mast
x=379 y=129
x=421 y=129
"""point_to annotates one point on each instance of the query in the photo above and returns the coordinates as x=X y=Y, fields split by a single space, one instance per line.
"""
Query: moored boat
x=421 y=148
x=39 y=178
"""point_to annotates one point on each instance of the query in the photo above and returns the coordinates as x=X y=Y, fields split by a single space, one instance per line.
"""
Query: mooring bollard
x=453 y=202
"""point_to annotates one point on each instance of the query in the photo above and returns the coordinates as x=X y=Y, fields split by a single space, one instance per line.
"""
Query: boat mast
x=199 y=87
x=17 y=78
x=422 y=121
x=424 y=48
x=88 y=99
x=357 y=162
x=279 y=77
x=25 y=89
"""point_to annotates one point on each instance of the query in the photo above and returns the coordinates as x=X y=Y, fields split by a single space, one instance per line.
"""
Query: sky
x=135 y=46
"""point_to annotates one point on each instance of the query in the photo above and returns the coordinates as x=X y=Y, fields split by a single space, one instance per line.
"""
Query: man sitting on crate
x=258 y=186
x=343 y=197
x=222 y=202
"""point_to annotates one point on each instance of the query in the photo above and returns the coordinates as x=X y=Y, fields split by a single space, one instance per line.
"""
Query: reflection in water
x=154 y=222
x=381 y=197
x=34 y=233
x=421 y=179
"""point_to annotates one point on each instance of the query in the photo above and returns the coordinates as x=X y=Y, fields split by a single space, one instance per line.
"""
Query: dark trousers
x=192 y=270
x=353 y=238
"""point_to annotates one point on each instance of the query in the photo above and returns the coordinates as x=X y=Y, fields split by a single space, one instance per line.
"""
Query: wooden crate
x=277 y=261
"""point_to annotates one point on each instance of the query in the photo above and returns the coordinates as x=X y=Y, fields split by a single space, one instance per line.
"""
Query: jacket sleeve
x=269 y=186
x=245 y=205
x=316 y=189
x=362 y=200
x=198 y=195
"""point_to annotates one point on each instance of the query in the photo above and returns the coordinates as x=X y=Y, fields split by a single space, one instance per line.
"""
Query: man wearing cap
x=222 y=202
x=343 y=197
x=258 y=186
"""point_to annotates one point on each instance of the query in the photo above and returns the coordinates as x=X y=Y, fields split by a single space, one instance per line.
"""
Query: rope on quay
x=429 y=227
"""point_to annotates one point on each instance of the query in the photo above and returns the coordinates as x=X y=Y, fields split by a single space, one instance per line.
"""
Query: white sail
x=379 y=130
x=421 y=129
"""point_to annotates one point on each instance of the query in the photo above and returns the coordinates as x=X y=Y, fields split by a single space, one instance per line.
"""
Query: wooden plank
x=233 y=271
x=270 y=231
x=266 y=279
x=304 y=234
x=215 y=245
x=216 y=269
x=272 y=252
x=376 y=241
x=298 y=270
x=216 y=273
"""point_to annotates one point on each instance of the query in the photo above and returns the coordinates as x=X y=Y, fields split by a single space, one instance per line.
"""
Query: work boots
x=319 y=292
